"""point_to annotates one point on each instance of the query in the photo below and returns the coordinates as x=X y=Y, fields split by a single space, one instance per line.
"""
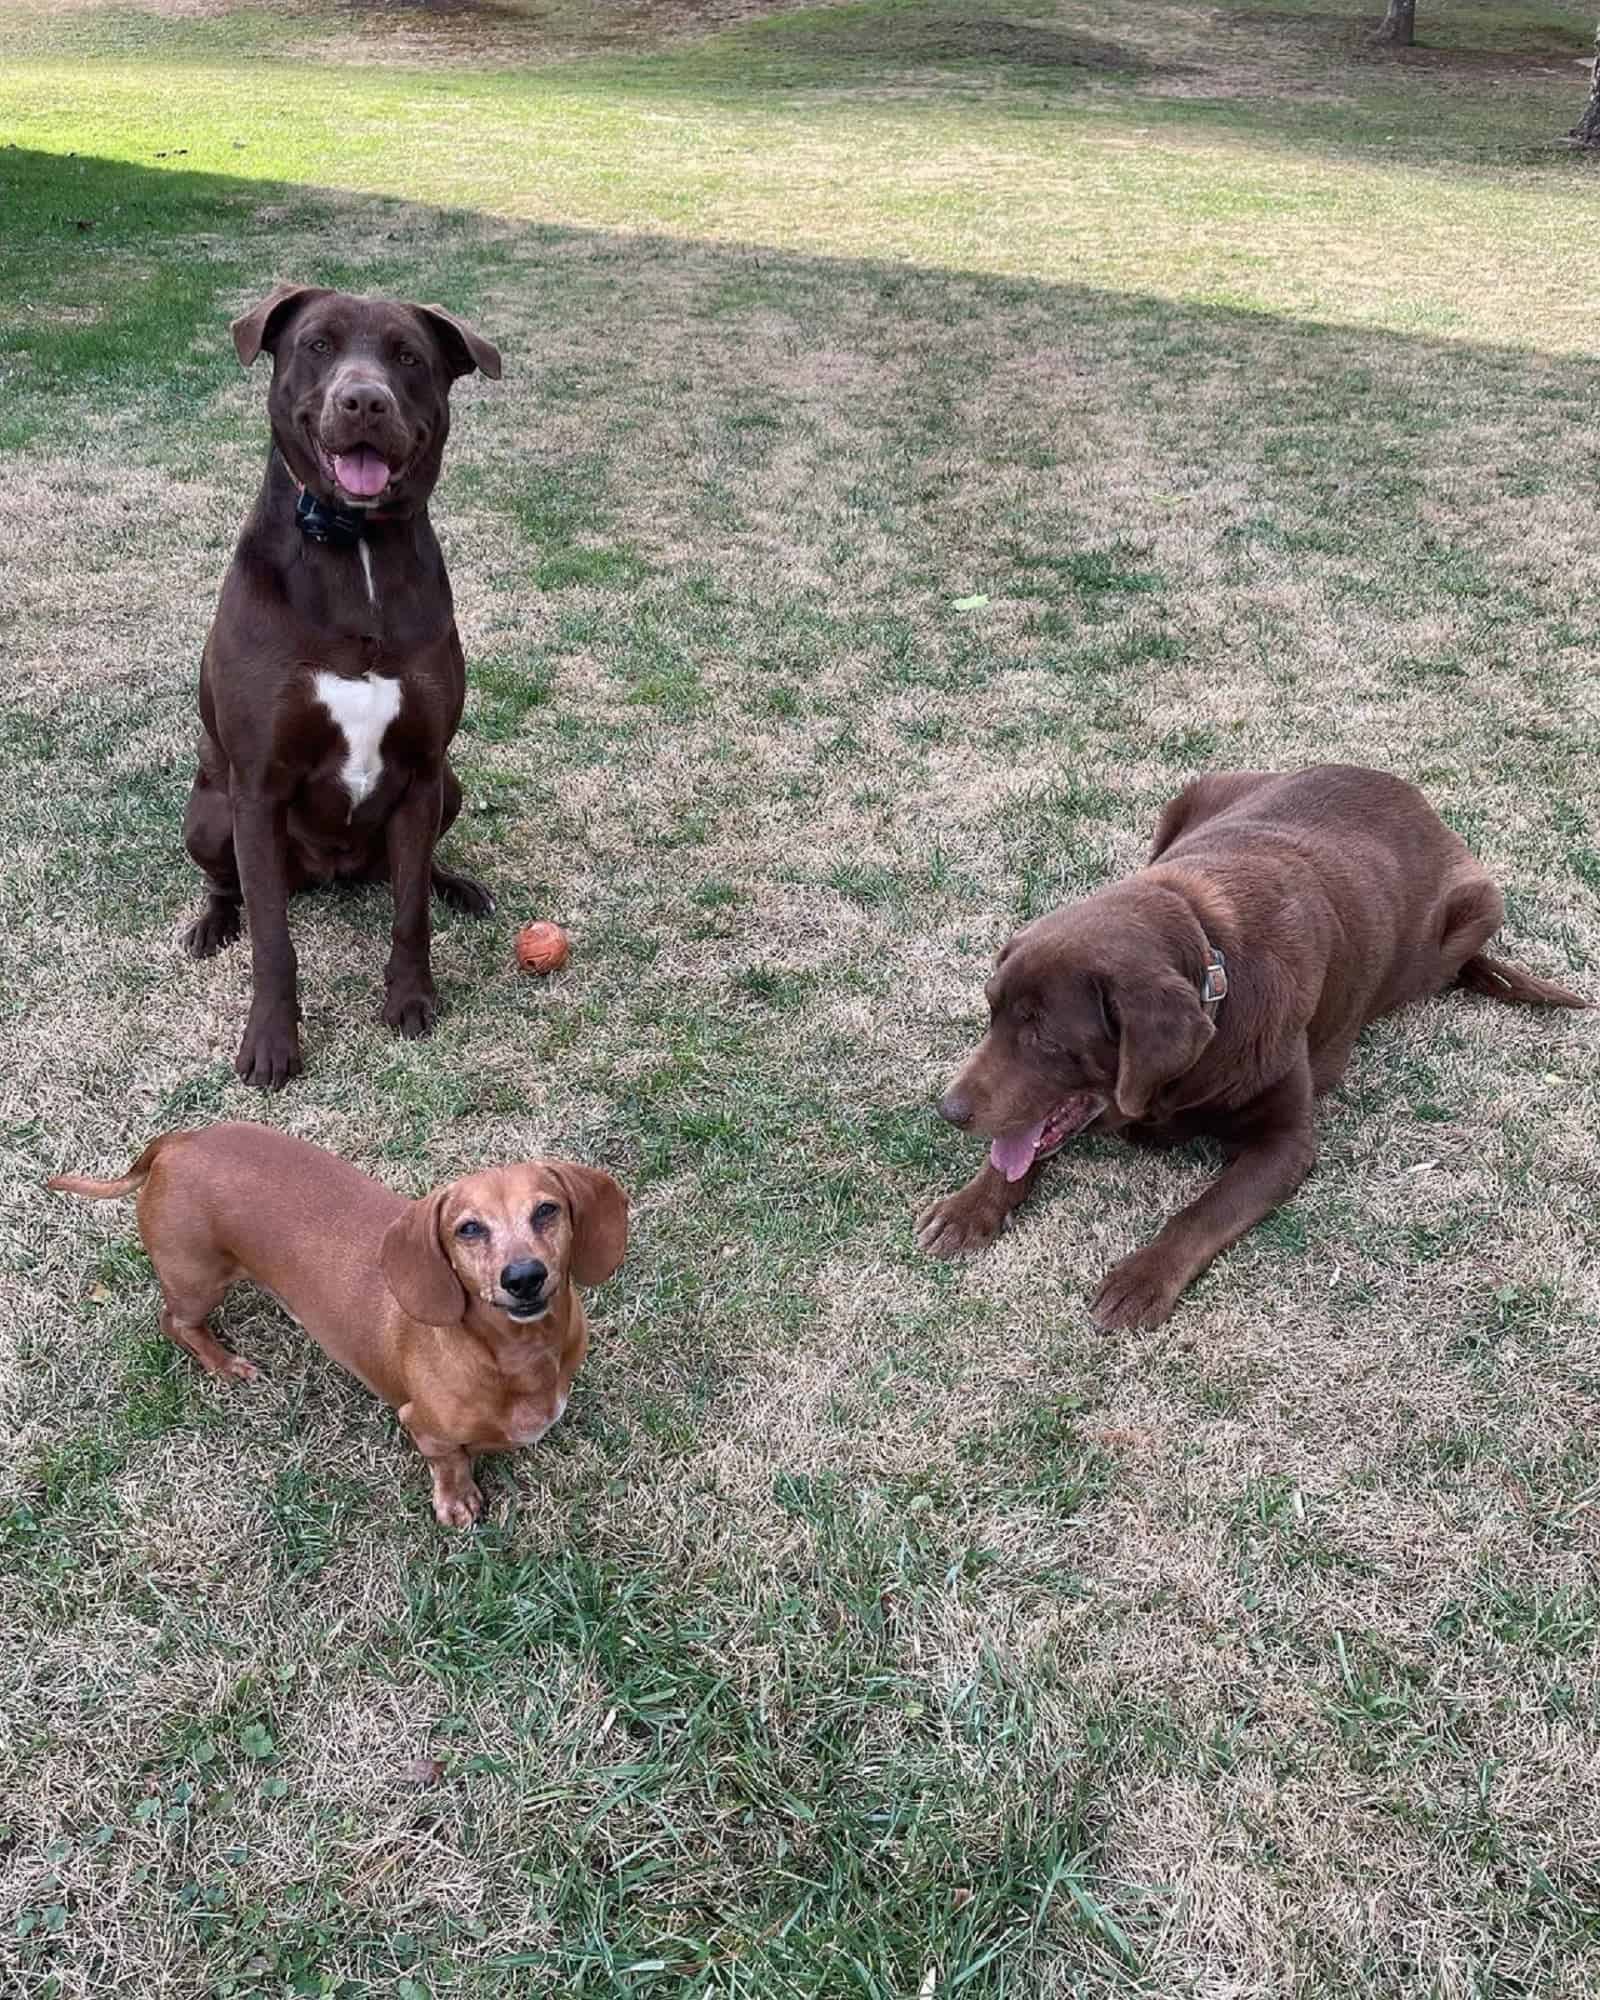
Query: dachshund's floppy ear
x=415 y=1267
x=1163 y=1031
x=599 y=1221
x=465 y=348
x=262 y=326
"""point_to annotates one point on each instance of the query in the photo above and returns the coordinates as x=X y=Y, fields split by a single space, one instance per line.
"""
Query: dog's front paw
x=960 y=1222
x=460 y=1507
x=1139 y=1292
x=411 y=1011
x=216 y=927
x=462 y=893
x=270 y=1052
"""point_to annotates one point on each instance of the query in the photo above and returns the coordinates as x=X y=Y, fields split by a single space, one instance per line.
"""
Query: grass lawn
x=871 y=1627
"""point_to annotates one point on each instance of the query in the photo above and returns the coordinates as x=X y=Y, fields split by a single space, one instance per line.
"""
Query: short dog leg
x=457 y=1497
x=196 y=1338
x=216 y=927
x=208 y=835
x=461 y=892
x=449 y=884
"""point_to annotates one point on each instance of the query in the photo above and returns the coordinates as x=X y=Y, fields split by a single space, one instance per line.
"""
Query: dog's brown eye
x=407 y=359
x=319 y=345
x=470 y=1231
x=547 y=1211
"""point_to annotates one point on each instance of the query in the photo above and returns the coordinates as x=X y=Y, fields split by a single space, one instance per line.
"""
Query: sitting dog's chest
x=517 y=1420
x=525 y=1419
x=361 y=711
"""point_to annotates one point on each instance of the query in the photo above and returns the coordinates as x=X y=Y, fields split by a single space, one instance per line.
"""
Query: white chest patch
x=362 y=710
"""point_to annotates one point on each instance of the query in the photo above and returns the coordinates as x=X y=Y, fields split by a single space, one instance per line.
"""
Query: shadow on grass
x=129 y=315
x=120 y=279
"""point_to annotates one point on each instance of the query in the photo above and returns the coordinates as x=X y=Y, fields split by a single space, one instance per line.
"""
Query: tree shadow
x=939 y=36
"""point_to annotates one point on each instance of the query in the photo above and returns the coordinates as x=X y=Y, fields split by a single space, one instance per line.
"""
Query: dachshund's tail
x=95 y=1190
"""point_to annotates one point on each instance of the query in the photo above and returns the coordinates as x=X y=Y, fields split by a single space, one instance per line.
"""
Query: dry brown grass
x=1281 y=1621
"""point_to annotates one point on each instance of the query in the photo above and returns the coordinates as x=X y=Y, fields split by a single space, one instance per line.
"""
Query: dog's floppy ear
x=465 y=348
x=262 y=325
x=415 y=1267
x=1162 y=1032
x=599 y=1221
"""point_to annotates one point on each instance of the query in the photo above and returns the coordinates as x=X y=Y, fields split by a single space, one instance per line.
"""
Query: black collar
x=326 y=521
x=320 y=521
x=1214 y=987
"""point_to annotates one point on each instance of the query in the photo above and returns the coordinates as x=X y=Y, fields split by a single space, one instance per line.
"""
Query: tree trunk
x=1587 y=129
x=1399 y=25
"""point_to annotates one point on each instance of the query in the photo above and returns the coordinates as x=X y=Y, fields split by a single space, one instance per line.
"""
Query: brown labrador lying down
x=1218 y=993
x=332 y=679
x=458 y=1309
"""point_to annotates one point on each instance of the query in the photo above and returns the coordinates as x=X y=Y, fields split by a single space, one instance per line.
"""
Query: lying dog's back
x=1351 y=876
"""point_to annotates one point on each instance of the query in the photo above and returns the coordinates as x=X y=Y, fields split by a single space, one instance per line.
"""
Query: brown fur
x=391 y=1288
x=1336 y=895
x=268 y=813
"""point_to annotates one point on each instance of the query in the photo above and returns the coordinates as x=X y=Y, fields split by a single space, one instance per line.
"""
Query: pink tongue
x=1013 y=1157
x=361 y=472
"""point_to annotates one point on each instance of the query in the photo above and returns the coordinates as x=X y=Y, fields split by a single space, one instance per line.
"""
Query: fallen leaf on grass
x=1119 y=1437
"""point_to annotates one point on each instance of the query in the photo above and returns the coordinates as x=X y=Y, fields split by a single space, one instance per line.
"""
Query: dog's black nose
x=525 y=1279
x=365 y=399
x=955 y=1109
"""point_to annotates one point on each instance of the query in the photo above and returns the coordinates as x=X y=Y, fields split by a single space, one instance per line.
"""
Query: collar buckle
x=341 y=527
x=1214 y=987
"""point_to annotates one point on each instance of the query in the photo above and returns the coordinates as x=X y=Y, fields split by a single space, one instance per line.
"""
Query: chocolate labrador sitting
x=332 y=679
x=460 y=1310
x=1217 y=993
